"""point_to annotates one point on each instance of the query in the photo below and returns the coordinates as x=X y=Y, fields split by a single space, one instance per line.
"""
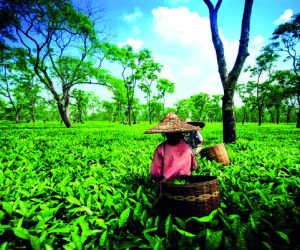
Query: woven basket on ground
x=198 y=198
x=217 y=152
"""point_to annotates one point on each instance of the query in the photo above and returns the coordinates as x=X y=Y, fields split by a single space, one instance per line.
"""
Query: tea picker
x=174 y=159
x=194 y=138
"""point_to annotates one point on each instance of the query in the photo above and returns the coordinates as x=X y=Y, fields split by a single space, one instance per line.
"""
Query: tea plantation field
x=88 y=187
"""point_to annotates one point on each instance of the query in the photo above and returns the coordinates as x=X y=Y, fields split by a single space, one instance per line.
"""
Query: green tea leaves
x=73 y=200
x=22 y=233
x=124 y=217
x=89 y=188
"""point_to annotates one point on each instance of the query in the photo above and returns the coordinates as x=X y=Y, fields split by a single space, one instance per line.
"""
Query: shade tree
x=282 y=87
x=18 y=83
x=81 y=102
x=138 y=69
x=229 y=80
x=259 y=88
x=285 y=40
x=150 y=72
x=60 y=41
x=164 y=87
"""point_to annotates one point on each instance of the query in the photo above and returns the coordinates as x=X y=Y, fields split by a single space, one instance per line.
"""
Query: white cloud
x=132 y=17
x=136 y=44
x=189 y=52
x=167 y=73
x=176 y=2
x=190 y=71
x=179 y=25
x=258 y=40
x=254 y=48
x=286 y=16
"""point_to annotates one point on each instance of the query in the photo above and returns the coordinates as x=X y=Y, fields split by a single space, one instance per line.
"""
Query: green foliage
x=89 y=188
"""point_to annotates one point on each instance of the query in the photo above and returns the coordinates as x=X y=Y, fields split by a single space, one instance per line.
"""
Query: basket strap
x=163 y=162
x=162 y=169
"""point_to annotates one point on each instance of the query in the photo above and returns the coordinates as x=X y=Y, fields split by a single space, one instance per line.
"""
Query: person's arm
x=194 y=162
x=156 y=165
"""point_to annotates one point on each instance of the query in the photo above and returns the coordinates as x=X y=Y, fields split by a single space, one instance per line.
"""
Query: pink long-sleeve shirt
x=170 y=161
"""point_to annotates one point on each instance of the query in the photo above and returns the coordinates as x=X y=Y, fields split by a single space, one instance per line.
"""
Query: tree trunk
x=134 y=118
x=229 y=123
x=298 y=119
x=149 y=108
x=129 y=105
x=129 y=113
x=18 y=110
x=63 y=113
x=149 y=112
x=273 y=117
x=260 y=115
x=63 y=109
x=32 y=112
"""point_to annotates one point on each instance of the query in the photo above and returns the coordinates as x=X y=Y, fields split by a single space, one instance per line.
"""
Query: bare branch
x=244 y=40
x=209 y=5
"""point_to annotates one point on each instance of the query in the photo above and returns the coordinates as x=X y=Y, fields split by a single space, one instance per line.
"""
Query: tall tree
x=137 y=68
x=119 y=96
x=183 y=108
x=150 y=71
x=286 y=39
x=216 y=108
x=18 y=82
x=164 y=86
x=264 y=65
x=81 y=98
x=282 y=88
x=199 y=103
x=229 y=80
x=247 y=99
x=290 y=103
x=60 y=41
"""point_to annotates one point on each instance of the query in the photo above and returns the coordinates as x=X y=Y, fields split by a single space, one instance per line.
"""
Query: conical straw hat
x=172 y=123
x=197 y=123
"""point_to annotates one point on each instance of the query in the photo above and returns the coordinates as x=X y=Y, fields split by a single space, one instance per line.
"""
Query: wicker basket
x=198 y=198
x=217 y=153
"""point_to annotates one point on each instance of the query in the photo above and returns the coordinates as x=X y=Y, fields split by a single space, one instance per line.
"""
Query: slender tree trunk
x=134 y=118
x=32 y=112
x=229 y=122
x=149 y=109
x=260 y=112
x=63 y=109
x=288 y=115
x=298 y=99
x=129 y=105
x=17 y=112
x=129 y=112
x=63 y=113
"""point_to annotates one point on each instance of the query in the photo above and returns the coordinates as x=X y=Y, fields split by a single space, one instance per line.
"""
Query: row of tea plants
x=88 y=187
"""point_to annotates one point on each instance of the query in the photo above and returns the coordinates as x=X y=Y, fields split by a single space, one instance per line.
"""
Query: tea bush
x=89 y=187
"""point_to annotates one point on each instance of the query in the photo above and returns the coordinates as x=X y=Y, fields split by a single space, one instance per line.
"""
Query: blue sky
x=178 y=34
